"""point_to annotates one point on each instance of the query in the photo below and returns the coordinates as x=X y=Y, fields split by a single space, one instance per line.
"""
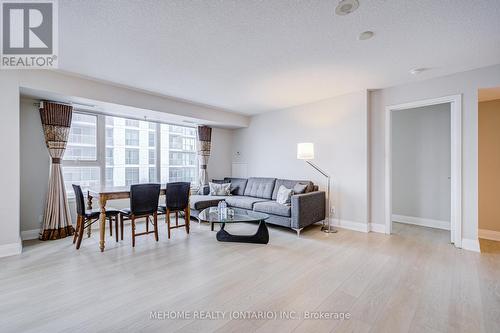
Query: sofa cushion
x=260 y=187
x=242 y=202
x=272 y=207
x=238 y=185
x=199 y=202
x=290 y=184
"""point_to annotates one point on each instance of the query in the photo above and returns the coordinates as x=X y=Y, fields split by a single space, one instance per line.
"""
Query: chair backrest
x=144 y=198
x=177 y=195
x=80 y=202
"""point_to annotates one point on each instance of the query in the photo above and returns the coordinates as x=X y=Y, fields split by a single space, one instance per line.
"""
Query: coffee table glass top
x=240 y=215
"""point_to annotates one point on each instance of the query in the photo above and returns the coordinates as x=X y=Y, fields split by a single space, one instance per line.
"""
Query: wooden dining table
x=103 y=194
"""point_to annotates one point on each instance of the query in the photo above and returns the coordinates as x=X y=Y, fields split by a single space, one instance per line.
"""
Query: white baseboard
x=30 y=234
x=11 y=249
x=471 y=245
x=438 y=224
x=351 y=225
x=376 y=227
x=358 y=226
x=489 y=234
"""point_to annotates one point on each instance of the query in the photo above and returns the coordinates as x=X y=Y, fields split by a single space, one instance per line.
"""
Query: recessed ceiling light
x=346 y=7
x=366 y=35
x=416 y=71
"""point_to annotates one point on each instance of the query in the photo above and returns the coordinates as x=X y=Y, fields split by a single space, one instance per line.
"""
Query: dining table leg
x=89 y=207
x=102 y=223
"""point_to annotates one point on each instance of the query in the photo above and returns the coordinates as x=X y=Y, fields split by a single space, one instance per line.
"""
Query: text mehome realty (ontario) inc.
x=248 y=315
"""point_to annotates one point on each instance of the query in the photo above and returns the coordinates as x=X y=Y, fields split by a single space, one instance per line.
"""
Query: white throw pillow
x=284 y=195
x=220 y=189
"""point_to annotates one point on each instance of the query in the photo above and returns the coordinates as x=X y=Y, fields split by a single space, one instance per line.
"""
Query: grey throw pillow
x=299 y=188
x=284 y=195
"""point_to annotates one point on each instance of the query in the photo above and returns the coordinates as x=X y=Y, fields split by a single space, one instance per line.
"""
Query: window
x=152 y=174
x=131 y=156
x=152 y=156
x=131 y=176
x=132 y=123
x=131 y=148
x=128 y=152
x=109 y=156
x=80 y=158
x=82 y=138
x=109 y=176
x=178 y=158
x=86 y=177
x=109 y=136
x=152 y=138
x=131 y=137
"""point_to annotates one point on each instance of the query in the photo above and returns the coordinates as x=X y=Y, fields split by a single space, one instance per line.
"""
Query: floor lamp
x=305 y=151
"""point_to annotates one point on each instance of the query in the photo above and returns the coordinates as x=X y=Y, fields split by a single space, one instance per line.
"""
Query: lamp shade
x=305 y=151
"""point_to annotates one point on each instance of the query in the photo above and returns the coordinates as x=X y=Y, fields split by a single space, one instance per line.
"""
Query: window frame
x=101 y=148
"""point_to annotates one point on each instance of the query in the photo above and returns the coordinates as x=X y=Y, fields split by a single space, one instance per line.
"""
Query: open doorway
x=423 y=165
x=489 y=166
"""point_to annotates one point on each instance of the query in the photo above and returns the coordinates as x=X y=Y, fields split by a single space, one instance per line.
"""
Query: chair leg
x=89 y=231
x=176 y=218
x=133 y=230
x=168 y=223
x=155 y=222
x=187 y=219
x=80 y=233
x=116 y=227
x=77 y=228
x=110 y=226
x=121 y=227
x=147 y=223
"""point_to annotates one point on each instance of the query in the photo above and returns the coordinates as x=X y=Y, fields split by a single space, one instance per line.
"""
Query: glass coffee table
x=212 y=216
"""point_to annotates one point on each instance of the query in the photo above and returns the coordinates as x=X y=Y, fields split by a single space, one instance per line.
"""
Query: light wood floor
x=412 y=281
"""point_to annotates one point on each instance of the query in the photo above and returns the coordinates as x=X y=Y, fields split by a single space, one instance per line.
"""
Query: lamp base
x=328 y=231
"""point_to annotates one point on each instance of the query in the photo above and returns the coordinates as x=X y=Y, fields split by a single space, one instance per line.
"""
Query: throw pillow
x=284 y=195
x=299 y=188
x=220 y=189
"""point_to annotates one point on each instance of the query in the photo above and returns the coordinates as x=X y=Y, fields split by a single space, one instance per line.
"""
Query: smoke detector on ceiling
x=346 y=7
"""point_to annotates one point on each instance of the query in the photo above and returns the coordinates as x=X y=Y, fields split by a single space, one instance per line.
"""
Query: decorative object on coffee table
x=305 y=151
x=237 y=215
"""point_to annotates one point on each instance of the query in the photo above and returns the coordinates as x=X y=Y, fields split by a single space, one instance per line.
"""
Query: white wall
x=421 y=159
x=337 y=127
x=467 y=84
x=35 y=164
x=219 y=164
x=9 y=176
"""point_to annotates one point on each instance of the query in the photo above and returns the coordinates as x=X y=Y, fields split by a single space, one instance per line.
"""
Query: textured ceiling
x=255 y=56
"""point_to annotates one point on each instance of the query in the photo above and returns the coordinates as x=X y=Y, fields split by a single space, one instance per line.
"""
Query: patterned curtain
x=56 y=122
x=204 y=145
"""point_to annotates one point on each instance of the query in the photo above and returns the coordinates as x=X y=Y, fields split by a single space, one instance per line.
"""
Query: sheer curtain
x=204 y=146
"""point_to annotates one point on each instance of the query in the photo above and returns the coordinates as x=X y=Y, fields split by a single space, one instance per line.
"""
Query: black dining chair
x=85 y=218
x=177 y=200
x=143 y=203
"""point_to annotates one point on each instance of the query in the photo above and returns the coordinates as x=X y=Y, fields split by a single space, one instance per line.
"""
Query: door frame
x=456 y=161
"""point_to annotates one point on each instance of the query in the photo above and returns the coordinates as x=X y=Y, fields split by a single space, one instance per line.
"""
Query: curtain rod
x=39 y=104
x=76 y=105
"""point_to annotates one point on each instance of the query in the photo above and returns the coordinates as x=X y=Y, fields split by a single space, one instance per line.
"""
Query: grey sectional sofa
x=259 y=194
